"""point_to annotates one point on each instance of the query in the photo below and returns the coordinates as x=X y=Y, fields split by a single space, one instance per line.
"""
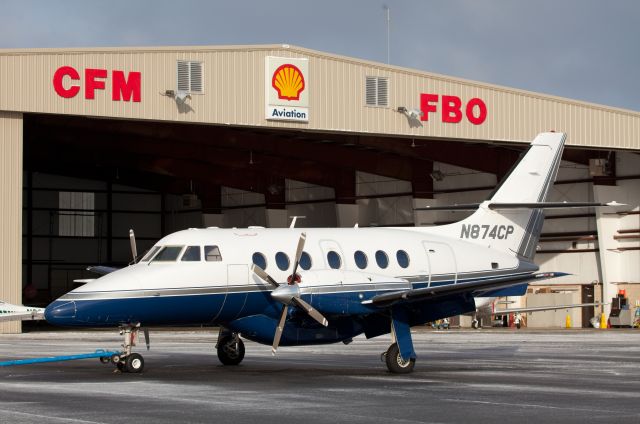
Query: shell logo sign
x=287 y=94
x=288 y=82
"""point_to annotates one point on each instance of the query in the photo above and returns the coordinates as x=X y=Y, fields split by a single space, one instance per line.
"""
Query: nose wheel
x=128 y=361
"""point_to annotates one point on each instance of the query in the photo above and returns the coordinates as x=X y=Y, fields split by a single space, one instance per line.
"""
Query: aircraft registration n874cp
x=303 y=287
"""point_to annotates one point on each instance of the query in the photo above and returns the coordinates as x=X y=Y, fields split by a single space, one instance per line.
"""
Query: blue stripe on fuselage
x=197 y=309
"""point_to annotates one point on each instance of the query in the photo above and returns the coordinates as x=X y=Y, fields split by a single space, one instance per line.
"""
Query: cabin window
x=361 y=259
x=150 y=254
x=403 y=258
x=191 y=254
x=259 y=259
x=168 y=254
x=334 y=260
x=282 y=261
x=382 y=259
x=212 y=254
x=305 y=261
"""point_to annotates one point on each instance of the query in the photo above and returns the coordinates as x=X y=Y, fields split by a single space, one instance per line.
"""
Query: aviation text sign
x=287 y=91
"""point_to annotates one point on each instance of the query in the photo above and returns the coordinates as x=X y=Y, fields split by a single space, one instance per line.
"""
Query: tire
x=230 y=353
x=134 y=363
x=105 y=359
x=396 y=364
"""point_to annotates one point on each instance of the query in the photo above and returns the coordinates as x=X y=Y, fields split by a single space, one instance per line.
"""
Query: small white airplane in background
x=9 y=312
x=485 y=309
x=339 y=283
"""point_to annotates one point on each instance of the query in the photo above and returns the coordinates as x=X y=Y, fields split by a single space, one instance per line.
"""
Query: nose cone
x=61 y=312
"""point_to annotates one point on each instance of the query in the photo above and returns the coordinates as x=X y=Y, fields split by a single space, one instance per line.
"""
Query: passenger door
x=442 y=263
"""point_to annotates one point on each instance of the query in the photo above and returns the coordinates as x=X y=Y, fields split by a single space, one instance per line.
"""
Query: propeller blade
x=301 y=240
x=263 y=275
x=311 y=311
x=278 y=335
x=146 y=338
x=134 y=249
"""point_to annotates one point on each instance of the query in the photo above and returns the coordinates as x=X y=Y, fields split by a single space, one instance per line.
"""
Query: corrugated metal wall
x=11 y=216
x=234 y=93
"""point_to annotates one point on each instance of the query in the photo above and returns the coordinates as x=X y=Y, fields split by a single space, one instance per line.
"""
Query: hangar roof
x=235 y=85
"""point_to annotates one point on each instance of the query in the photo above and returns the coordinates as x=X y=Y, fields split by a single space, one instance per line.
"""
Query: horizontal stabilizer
x=531 y=205
x=551 y=205
x=101 y=269
x=472 y=287
x=456 y=207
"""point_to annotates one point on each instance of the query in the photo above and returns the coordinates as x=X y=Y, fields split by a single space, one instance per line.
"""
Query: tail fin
x=515 y=230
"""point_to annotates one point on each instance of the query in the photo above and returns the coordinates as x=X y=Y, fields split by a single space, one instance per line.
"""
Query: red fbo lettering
x=451 y=108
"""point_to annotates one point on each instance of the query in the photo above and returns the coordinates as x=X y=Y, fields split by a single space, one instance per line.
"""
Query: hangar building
x=96 y=141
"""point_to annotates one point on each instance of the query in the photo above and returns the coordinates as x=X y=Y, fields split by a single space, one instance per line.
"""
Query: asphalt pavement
x=462 y=376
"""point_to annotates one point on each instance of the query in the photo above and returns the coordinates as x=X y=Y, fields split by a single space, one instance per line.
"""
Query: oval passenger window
x=334 y=260
x=361 y=259
x=382 y=259
x=282 y=260
x=305 y=261
x=403 y=258
x=259 y=259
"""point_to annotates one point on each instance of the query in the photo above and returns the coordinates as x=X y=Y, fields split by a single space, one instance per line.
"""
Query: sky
x=581 y=49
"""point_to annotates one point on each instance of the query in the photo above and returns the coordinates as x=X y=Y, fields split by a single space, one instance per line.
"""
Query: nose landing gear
x=128 y=361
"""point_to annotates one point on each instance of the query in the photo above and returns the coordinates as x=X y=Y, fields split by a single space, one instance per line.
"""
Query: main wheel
x=134 y=363
x=230 y=350
x=395 y=363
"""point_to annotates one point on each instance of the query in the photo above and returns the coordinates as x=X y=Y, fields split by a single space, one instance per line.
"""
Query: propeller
x=132 y=241
x=288 y=294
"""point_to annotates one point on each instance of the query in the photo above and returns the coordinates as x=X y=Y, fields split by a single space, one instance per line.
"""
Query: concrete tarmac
x=462 y=376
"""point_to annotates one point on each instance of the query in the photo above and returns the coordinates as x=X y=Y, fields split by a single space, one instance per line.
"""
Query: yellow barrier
x=603 y=320
x=567 y=321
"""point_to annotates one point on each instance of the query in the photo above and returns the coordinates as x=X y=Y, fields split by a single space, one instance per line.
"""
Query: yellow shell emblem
x=288 y=82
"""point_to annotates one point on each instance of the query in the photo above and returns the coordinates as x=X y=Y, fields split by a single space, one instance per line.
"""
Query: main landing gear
x=128 y=361
x=230 y=348
x=394 y=361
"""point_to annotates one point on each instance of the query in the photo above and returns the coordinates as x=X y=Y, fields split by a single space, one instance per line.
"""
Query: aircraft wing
x=545 y=308
x=473 y=287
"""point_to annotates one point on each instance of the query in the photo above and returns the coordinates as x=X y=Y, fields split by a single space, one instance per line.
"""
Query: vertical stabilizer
x=515 y=230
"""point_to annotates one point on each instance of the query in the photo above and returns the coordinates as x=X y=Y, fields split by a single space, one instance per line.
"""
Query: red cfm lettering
x=123 y=87
x=475 y=109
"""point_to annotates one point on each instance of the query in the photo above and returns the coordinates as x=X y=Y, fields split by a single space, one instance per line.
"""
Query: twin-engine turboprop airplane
x=339 y=283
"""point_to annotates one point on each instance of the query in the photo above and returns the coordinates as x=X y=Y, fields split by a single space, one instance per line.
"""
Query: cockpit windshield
x=168 y=254
x=150 y=254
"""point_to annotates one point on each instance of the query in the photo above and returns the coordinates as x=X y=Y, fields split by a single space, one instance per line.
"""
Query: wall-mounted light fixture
x=413 y=116
x=179 y=96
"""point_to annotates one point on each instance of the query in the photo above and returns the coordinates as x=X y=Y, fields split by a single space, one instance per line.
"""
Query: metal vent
x=190 y=77
x=377 y=91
